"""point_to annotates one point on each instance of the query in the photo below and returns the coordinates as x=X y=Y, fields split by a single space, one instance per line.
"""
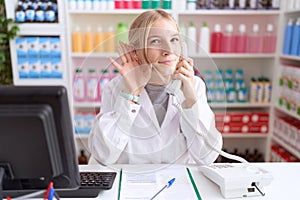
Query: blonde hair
x=141 y=25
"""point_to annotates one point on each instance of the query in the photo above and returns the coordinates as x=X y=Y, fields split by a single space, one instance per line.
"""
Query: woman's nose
x=167 y=48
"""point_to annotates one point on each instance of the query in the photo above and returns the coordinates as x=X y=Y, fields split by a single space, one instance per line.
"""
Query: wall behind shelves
x=254 y=66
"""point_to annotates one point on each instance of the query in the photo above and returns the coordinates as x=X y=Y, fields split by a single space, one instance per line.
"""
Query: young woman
x=157 y=110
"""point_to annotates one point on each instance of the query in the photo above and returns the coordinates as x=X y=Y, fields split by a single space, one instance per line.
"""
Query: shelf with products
x=245 y=135
x=286 y=107
x=286 y=146
x=108 y=12
x=289 y=57
x=229 y=12
x=38 y=54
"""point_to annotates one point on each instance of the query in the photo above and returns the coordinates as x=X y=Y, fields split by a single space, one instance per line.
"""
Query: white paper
x=140 y=186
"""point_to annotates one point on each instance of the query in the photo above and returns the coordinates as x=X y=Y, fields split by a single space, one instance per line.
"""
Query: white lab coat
x=125 y=133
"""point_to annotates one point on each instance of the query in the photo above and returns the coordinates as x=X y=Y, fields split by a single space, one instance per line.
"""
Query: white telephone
x=238 y=180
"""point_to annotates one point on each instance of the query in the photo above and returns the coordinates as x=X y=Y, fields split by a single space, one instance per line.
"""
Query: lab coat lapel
x=172 y=110
x=148 y=107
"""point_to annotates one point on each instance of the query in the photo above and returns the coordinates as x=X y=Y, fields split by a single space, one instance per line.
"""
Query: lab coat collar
x=171 y=110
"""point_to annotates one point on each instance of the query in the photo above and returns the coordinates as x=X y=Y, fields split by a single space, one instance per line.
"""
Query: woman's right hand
x=135 y=74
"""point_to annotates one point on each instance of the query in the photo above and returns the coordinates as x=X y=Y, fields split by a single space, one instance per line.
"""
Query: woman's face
x=163 y=44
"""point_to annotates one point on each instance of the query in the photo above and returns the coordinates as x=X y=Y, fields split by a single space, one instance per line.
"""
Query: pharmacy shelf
x=295 y=58
x=240 y=105
x=293 y=11
x=83 y=136
x=108 y=12
x=94 y=55
x=229 y=12
x=38 y=81
x=245 y=135
x=233 y=55
x=292 y=114
x=87 y=104
x=288 y=147
x=41 y=29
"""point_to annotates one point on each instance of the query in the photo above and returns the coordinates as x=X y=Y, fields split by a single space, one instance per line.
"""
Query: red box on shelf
x=258 y=127
x=235 y=128
x=233 y=117
x=259 y=117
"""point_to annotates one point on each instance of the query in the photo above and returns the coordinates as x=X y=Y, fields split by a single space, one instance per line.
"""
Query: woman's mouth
x=167 y=62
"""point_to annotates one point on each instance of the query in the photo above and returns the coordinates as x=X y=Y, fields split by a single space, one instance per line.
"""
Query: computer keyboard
x=91 y=184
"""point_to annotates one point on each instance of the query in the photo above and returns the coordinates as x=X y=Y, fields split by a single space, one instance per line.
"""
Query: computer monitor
x=36 y=140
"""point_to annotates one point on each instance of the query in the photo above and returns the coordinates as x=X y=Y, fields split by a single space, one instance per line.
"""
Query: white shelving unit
x=282 y=61
x=254 y=65
x=40 y=29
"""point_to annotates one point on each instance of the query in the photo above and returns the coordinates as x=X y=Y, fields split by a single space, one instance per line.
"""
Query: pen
x=166 y=186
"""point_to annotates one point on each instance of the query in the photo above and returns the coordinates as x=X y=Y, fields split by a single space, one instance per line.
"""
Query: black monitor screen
x=36 y=139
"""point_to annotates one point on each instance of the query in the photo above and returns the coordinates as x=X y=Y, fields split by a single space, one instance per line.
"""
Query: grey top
x=159 y=98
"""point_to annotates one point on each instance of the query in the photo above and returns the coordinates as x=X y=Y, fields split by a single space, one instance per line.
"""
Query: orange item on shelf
x=110 y=41
x=88 y=40
x=99 y=40
x=77 y=41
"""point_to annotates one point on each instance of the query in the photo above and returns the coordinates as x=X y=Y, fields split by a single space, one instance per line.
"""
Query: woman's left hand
x=185 y=73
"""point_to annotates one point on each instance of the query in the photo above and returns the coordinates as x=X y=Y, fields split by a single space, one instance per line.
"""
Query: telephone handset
x=176 y=84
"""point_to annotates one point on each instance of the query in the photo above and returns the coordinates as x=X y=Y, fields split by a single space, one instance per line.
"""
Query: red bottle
x=216 y=40
x=241 y=40
x=228 y=40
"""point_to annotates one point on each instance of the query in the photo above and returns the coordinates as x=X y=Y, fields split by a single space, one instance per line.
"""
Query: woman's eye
x=175 y=39
x=155 y=41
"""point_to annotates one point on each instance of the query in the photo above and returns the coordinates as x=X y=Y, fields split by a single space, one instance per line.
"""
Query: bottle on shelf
x=110 y=4
x=231 y=4
x=288 y=37
x=146 y=4
x=216 y=39
x=241 y=40
x=50 y=13
x=295 y=47
x=20 y=15
x=254 y=40
x=92 y=87
x=181 y=5
x=192 y=40
x=115 y=73
x=82 y=158
x=228 y=39
x=119 y=4
x=72 y=4
x=252 y=4
x=167 y=4
x=127 y=4
x=96 y=4
x=122 y=33
x=137 y=4
x=77 y=40
x=104 y=78
x=204 y=39
x=110 y=40
x=155 y=4
x=242 y=4
x=269 y=40
x=99 y=40
x=88 y=5
x=30 y=12
x=39 y=13
x=88 y=40
x=79 y=86
x=191 y=4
